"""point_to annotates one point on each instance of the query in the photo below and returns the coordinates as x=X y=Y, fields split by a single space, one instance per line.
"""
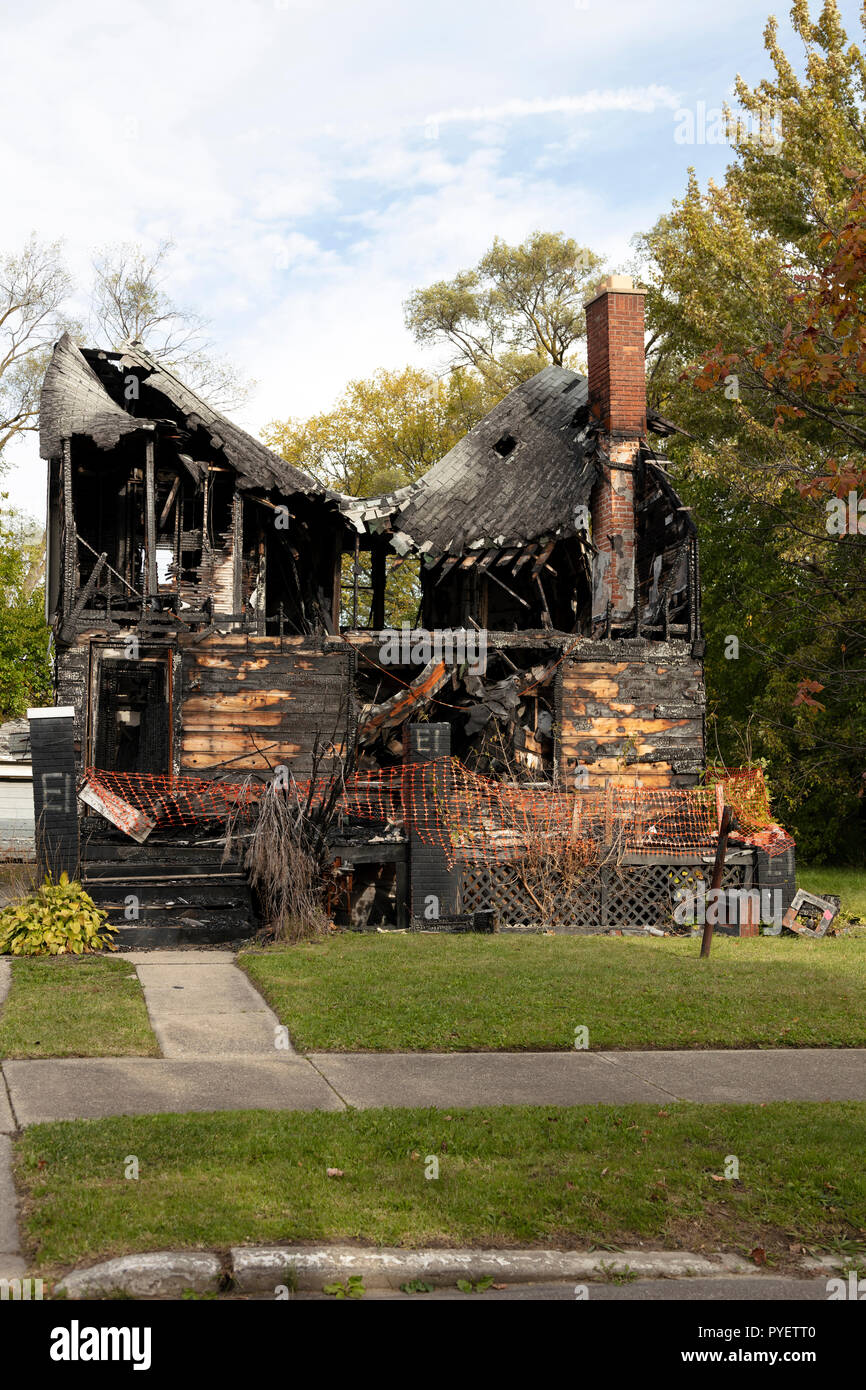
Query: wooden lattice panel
x=634 y=896
x=503 y=888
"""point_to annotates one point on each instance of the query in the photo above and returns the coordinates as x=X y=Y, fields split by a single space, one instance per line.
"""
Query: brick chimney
x=617 y=398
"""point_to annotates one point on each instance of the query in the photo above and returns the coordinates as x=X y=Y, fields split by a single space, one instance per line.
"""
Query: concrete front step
x=215 y=911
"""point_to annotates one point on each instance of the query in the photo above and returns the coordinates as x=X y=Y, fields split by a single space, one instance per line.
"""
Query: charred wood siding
x=633 y=714
x=72 y=687
x=252 y=703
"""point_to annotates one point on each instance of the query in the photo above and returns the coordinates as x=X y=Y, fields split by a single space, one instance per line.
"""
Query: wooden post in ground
x=378 y=579
x=718 y=873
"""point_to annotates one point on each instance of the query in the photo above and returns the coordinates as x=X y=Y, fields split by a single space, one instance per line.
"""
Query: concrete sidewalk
x=70 y=1088
x=201 y=1005
x=223 y=1049
x=586 y=1078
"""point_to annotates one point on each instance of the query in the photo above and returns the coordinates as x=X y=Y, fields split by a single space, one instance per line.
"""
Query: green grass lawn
x=75 y=1006
x=570 y=1177
x=848 y=884
x=452 y=993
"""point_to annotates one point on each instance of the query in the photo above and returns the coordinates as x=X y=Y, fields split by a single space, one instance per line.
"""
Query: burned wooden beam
x=70 y=547
x=503 y=585
x=448 y=566
x=151 y=587
x=524 y=558
x=541 y=562
x=67 y=631
x=414 y=697
x=546 y=619
x=169 y=503
x=238 y=551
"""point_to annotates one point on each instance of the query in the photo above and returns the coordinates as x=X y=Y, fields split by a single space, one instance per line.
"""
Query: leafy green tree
x=746 y=355
x=518 y=310
x=25 y=668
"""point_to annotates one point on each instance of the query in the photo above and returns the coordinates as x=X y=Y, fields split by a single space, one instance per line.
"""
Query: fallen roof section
x=77 y=402
x=74 y=401
x=255 y=465
x=520 y=473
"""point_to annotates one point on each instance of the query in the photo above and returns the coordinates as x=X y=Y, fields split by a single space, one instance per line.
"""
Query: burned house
x=203 y=596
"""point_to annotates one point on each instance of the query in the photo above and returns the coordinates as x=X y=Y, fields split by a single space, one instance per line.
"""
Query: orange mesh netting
x=473 y=818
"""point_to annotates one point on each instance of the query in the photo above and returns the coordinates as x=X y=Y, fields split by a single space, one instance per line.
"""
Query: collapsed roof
x=520 y=473
x=79 y=399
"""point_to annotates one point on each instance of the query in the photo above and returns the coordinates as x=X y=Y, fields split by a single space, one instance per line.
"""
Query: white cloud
x=281 y=144
x=584 y=104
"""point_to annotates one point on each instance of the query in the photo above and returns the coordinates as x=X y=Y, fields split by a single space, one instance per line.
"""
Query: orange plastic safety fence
x=473 y=818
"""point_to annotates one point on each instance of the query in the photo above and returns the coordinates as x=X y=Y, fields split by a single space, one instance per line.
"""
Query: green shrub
x=55 y=920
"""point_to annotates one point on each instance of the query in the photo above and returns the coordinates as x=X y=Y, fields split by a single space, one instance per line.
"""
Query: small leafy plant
x=353 y=1288
x=416 y=1286
x=56 y=919
x=614 y=1274
x=467 y=1286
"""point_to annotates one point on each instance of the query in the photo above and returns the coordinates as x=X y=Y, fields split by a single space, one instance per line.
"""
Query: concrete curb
x=261 y=1269
x=146 y=1276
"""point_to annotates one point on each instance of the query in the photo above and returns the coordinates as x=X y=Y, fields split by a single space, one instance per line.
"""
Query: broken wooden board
x=414 y=697
x=117 y=811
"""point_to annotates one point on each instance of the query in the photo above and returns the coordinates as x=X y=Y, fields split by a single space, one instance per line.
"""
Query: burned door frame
x=152 y=653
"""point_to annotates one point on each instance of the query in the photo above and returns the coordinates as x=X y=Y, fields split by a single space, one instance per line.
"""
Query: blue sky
x=314 y=161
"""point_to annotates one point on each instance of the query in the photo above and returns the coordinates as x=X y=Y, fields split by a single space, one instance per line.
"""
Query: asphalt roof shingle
x=477 y=495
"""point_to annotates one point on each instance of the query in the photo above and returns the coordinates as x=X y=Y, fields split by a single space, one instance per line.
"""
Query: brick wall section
x=615 y=355
x=617 y=397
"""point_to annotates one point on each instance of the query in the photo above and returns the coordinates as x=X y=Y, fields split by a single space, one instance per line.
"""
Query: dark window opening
x=400 y=597
x=506 y=445
x=132 y=730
